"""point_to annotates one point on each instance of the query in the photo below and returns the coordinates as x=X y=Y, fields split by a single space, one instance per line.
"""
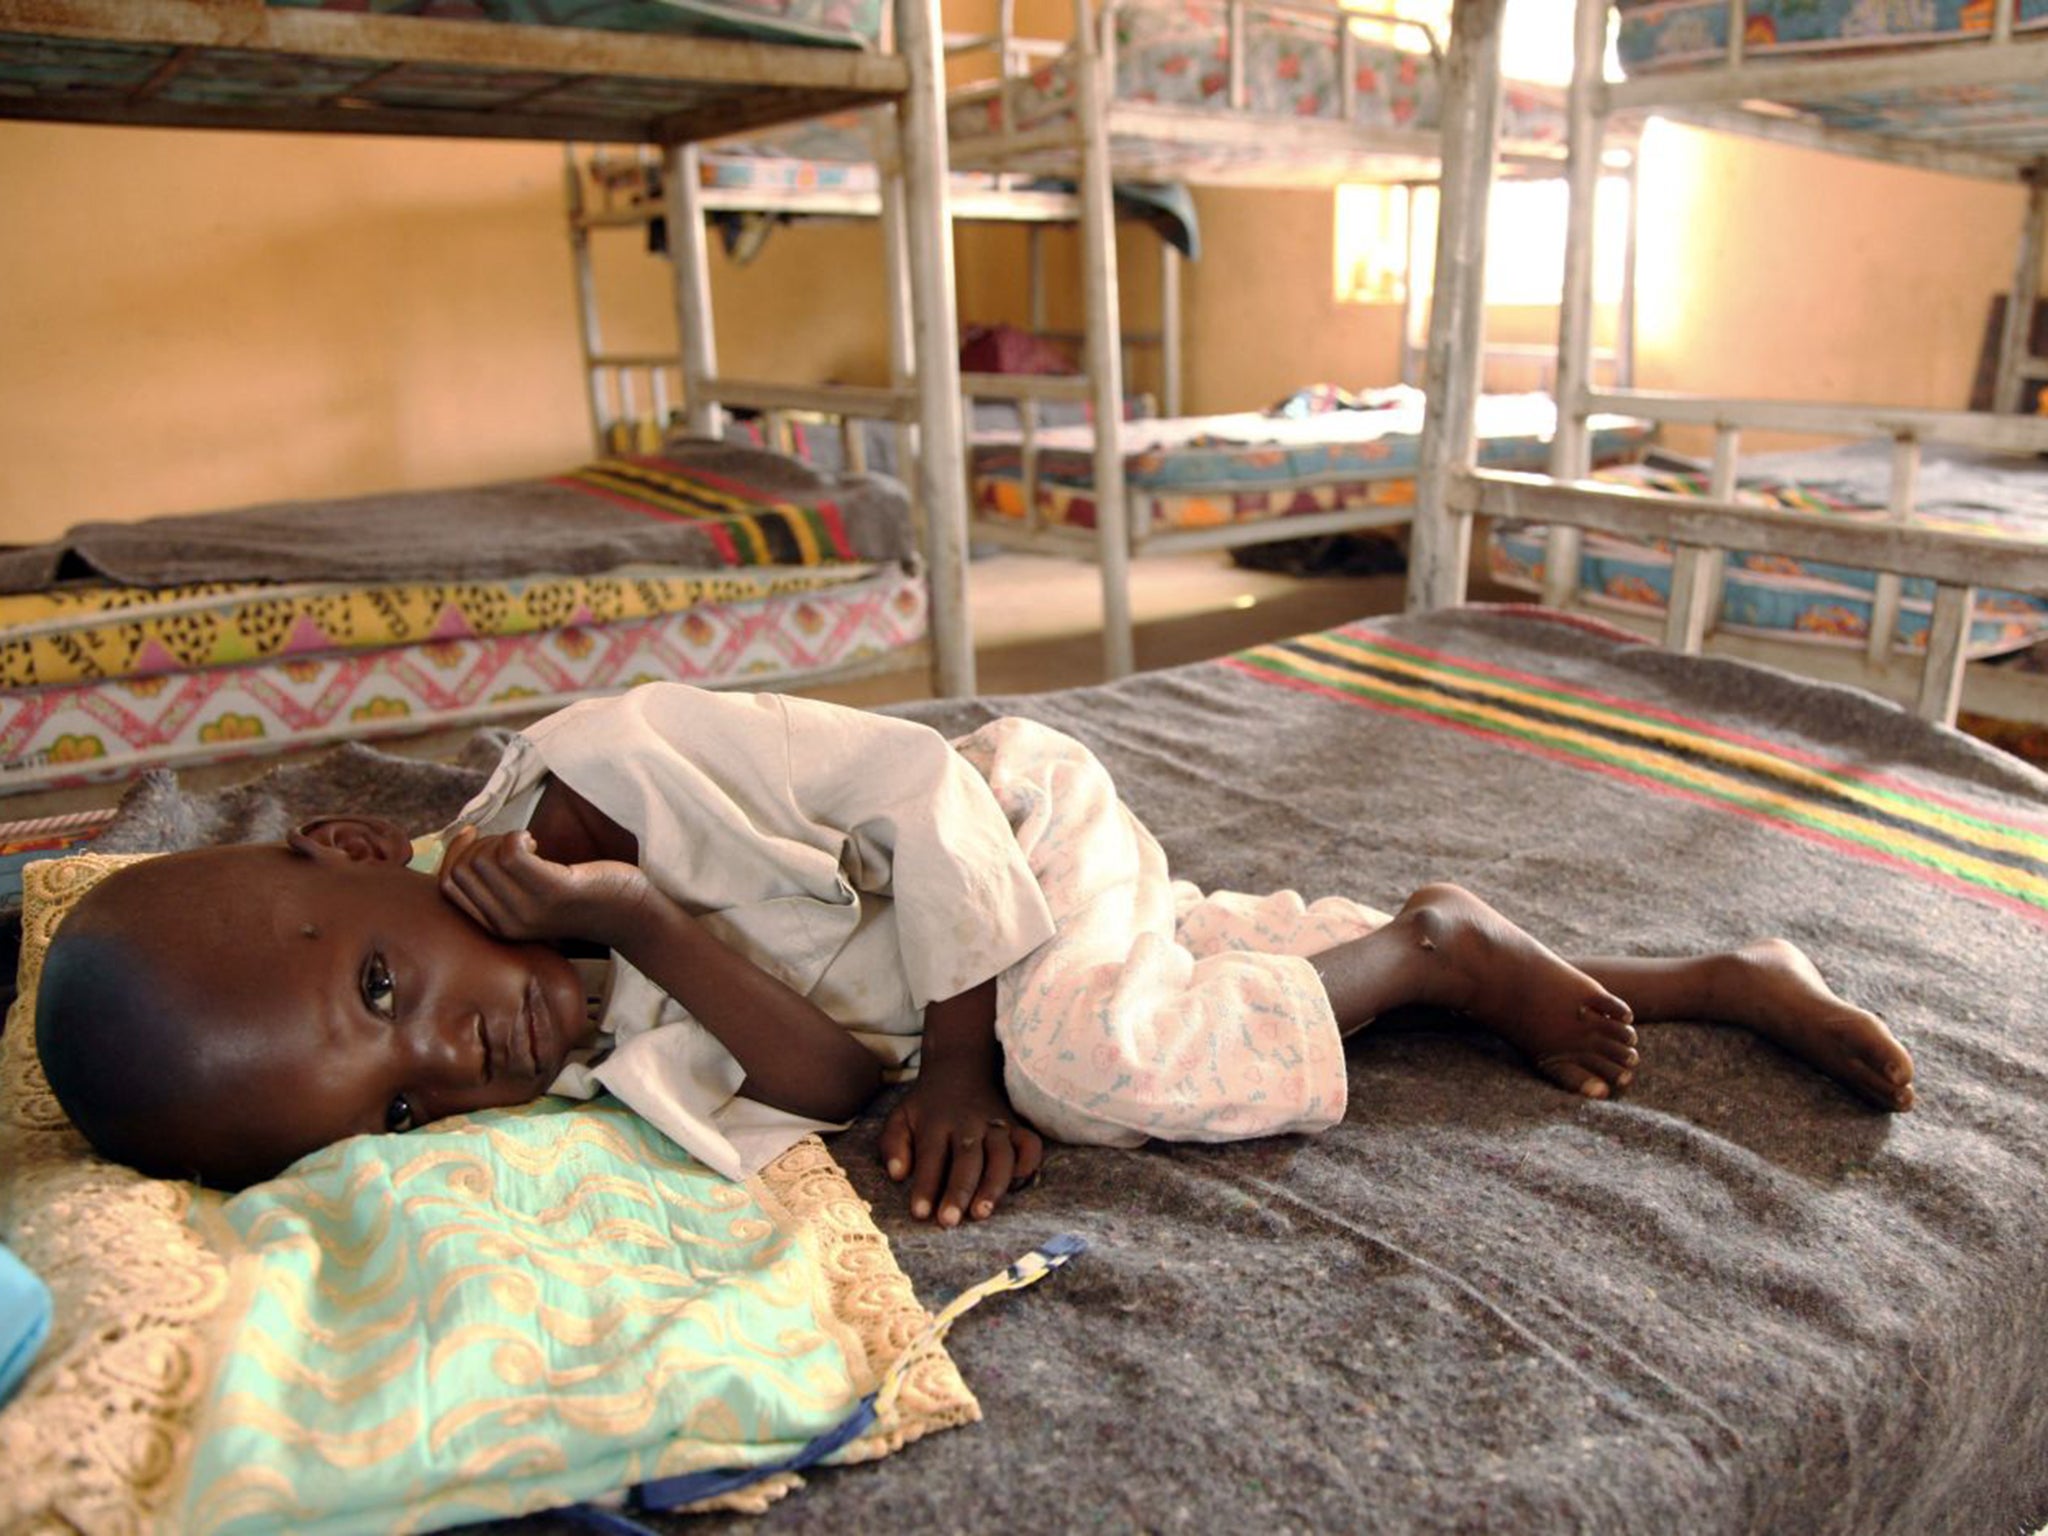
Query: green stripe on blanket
x=750 y=527
x=1878 y=817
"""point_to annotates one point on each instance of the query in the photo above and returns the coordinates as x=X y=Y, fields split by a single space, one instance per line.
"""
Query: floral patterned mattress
x=1778 y=597
x=201 y=677
x=1176 y=55
x=1664 y=35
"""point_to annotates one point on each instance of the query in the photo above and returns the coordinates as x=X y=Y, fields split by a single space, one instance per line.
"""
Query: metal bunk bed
x=1820 y=102
x=215 y=63
x=1068 y=117
x=833 y=176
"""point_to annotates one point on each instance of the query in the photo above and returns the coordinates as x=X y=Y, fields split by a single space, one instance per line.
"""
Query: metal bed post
x=689 y=247
x=2016 y=339
x=1889 y=592
x=902 y=342
x=1441 y=539
x=586 y=296
x=1169 y=328
x=1584 y=125
x=1695 y=568
x=1103 y=360
x=935 y=327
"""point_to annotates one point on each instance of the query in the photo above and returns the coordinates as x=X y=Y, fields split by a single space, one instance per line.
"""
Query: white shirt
x=857 y=858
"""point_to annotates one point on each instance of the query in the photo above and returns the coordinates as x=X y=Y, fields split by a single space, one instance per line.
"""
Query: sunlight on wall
x=1377 y=228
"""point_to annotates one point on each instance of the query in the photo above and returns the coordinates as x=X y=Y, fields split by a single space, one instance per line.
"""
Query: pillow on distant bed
x=500 y=1313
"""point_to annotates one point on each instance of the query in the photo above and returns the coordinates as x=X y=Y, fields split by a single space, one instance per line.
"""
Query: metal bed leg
x=1169 y=327
x=942 y=487
x=1569 y=450
x=1948 y=642
x=1103 y=362
x=690 y=253
x=1889 y=591
x=1441 y=541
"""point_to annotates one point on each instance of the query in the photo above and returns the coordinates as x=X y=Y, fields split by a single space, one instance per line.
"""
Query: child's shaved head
x=113 y=1028
x=220 y=1013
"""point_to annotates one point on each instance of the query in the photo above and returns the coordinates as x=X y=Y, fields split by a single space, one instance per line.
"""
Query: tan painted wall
x=191 y=320
x=1853 y=281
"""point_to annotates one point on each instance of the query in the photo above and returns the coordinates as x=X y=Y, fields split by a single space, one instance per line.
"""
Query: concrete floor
x=1037 y=618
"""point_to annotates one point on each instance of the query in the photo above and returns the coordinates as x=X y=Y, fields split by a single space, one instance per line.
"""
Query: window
x=1385 y=233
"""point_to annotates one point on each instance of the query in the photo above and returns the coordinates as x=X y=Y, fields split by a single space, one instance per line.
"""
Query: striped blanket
x=697 y=505
x=1730 y=1300
x=1843 y=804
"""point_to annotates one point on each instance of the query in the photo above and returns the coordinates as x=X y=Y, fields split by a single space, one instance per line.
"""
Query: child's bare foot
x=1470 y=958
x=1773 y=988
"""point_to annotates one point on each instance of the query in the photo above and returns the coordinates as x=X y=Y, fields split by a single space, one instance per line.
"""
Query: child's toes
x=1576 y=1074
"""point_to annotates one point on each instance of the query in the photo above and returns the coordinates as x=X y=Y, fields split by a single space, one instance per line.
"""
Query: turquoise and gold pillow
x=505 y=1312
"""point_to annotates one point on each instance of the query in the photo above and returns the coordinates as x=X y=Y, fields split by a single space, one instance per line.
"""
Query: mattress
x=396 y=613
x=1815 y=601
x=1203 y=471
x=1667 y=35
x=1176 y=56
x=77 y=74
x=1730 y=1301
x=461 y=670
x=847 y=23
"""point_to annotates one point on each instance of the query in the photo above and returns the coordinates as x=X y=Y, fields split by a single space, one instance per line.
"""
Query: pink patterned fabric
x=1154 y=1010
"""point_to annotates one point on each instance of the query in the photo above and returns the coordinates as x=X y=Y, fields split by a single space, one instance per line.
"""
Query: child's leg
x=1773 y=989
x=1446 y=948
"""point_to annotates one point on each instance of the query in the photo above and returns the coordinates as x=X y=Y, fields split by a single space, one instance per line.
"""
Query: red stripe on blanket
x=1854 y=850
x=1636 y=708
x=715 y=530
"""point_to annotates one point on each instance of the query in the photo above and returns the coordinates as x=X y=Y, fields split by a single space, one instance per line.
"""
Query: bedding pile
x=125 y=646
x=697 y=504
x=1731 y=1300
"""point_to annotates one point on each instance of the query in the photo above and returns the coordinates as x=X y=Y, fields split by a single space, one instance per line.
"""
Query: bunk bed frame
x=529 y=81
x=1746 y=95
x=632 y=390
x=1108 y=138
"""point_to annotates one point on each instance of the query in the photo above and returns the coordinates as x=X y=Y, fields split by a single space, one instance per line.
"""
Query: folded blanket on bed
x=700 y=504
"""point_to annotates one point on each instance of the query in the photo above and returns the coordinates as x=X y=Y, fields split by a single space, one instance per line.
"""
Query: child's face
x=362 y=1001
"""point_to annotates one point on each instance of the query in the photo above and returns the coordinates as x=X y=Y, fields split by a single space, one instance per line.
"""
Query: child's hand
x=963 y=1140
x=502 y=882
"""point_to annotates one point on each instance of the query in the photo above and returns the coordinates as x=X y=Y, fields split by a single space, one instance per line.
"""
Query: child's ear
x=359 y=839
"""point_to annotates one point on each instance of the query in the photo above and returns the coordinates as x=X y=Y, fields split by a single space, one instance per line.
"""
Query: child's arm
x=955 y=1128
x=794 y=1055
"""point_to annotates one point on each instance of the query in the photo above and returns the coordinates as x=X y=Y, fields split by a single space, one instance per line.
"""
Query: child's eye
x=379 y=990
x=398 y=1114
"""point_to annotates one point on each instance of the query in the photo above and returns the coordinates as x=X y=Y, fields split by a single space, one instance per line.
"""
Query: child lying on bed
x=797 y=897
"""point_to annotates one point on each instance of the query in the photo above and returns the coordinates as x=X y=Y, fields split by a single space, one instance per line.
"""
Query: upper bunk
x=1951 y=85
x=605 y=70
x=1232 y=93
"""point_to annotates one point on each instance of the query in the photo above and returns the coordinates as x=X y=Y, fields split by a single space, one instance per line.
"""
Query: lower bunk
x=1323 y=461
x=1732 y=1299
x=392 y=615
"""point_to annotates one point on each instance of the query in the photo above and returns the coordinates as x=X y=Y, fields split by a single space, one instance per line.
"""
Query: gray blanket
x=566 y=527
x=1732 y=1301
